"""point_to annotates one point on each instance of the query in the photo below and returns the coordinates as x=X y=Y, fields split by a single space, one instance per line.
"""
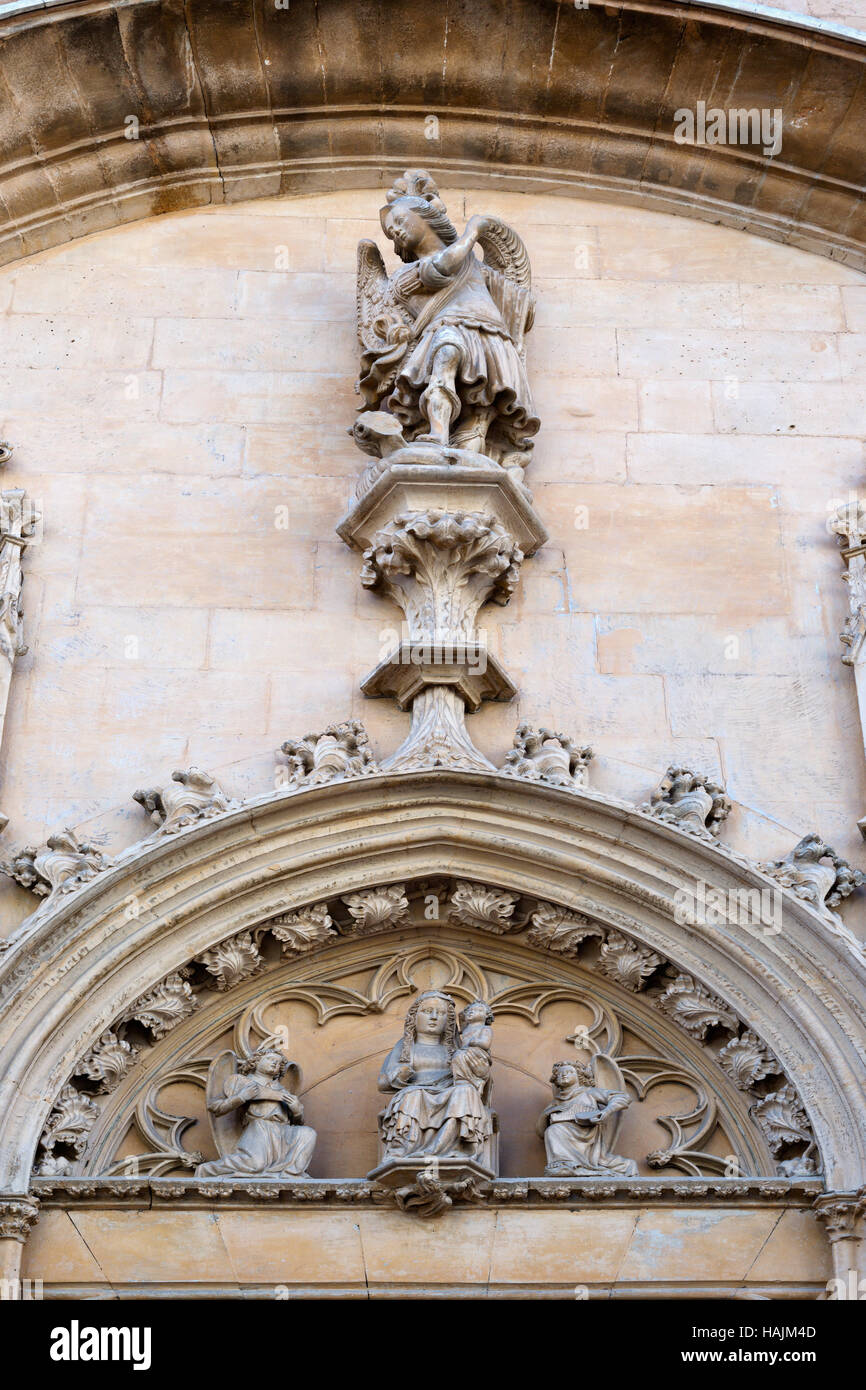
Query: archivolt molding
x=230 y=102
x=121 y=942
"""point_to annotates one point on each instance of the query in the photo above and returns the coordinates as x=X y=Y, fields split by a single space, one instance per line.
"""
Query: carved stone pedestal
x=442 y=532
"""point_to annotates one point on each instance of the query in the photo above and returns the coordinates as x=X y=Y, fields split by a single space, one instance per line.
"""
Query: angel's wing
x=378 y=312
x=226 y=1129
x=508 y=275
x=608 y=1077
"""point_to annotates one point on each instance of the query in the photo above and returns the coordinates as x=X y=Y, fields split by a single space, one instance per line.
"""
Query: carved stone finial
x=303 y=931
x=540 y=755
x=816 y=874
x=340 y=751
x=690 y=801
x=190 y=796
x=61 y=867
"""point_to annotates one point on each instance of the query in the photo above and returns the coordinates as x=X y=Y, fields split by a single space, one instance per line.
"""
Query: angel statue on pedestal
x=257 y=1124
x=579 y=1128
x=442 y=355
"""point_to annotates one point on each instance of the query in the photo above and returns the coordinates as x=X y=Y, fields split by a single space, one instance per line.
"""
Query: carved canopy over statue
x=441 y=1078
x=442 y=339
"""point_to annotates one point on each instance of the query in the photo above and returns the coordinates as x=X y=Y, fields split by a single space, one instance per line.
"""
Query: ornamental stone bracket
x=843 y=1216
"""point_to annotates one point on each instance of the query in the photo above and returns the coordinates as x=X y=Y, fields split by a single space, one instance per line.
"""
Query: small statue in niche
x=441 y=1082
x=442 y=339
x=257 y=1124
x=579 y=1128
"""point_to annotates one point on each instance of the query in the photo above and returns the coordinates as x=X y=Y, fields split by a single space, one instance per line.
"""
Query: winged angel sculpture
x=257 y=1124
x=442 y=339
x=579 y=1129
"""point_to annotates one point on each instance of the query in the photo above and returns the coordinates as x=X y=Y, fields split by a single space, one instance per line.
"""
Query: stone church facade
x=433 y=811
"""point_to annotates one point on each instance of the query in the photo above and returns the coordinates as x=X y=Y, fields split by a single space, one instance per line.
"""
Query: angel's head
x=568 y=1074
x=417 y=226
x=266 y=1059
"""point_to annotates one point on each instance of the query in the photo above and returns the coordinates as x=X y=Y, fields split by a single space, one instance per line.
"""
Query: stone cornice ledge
x=561 y=1192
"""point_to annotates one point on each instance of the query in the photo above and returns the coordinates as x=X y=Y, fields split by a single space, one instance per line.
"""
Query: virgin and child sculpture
x=438 y=1074
x=442 y=356
x=257 y=1123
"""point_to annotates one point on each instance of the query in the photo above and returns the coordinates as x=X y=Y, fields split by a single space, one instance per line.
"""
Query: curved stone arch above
x=225 y=109
x=85 y=961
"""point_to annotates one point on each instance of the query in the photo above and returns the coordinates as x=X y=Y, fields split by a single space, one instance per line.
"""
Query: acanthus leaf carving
x=817 y=875
x=690 y=801
x=61 y=867
x=562 y=932
x=108 y=1061
x=626 y=962
x=191 y=795
x=491 y=909
x=339 y=751
x=747 y=1059
x=166 y=1005
x=71 y=1119
x=377 y=909
x=694 y=1008
x=541 y=755
x=232 y=960
x=781 y=1117
x=303 y=931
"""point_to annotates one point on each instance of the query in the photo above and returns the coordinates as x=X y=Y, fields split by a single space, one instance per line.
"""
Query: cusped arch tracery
x=565 y=879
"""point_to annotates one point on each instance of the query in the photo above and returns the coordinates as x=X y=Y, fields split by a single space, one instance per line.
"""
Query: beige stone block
x=56 y=1253
x=852 y=351
x=112 y=291
x=647 y=643
x=135 y=638
x=817 y=408
x=321 y=450
x=564 y=208
x=299 y=297
x=93 y=394
x=795 y=306
x=676 y=407
x=339 y=237
x=561 y=351
x=276 y=512
x=680 y=249
x=141 y=1247
x=854 y=304
x=96 y=446
x=454 y=1249
x=245 y=345
x=710 y=1246
x=294 y=641
x=635 y=304
x=617 y=547
x=258 y=571
x=293 y=1247
x=260 y=398
x=596 y=405
x=698 y=355
x=738 y=705
x=575 y=455
x=569 y=252
x=560 y=1247
x=202 y=241
x=732 y=459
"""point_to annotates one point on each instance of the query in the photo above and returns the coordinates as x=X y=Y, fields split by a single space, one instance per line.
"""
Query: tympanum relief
x=496 y=994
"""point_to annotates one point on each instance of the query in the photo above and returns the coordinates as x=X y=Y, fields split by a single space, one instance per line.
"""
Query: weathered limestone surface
x=652 y=1252
x=187 y=601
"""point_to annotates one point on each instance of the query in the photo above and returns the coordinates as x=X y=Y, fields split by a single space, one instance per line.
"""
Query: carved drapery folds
x=735 y=1054
x=442 y=518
